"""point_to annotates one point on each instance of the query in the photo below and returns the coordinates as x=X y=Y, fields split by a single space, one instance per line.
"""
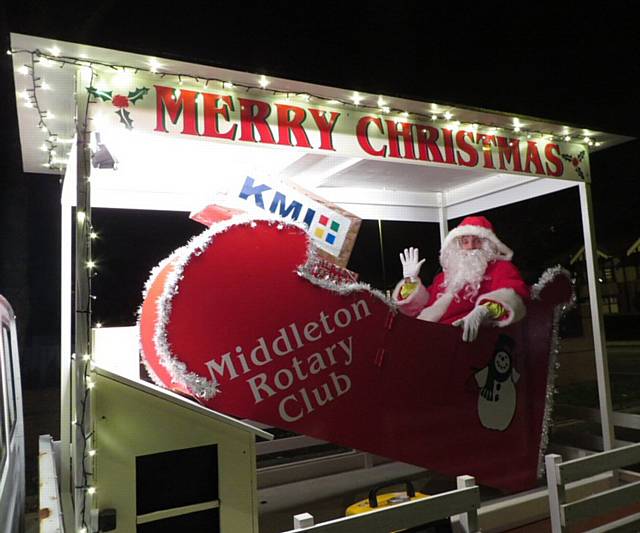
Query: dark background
x=572 y=65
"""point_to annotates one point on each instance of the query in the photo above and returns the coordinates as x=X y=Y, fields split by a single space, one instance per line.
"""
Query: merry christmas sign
x=258 y=117
x=237 y=320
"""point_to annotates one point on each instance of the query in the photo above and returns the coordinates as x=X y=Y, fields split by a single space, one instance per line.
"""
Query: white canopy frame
x=383 y=189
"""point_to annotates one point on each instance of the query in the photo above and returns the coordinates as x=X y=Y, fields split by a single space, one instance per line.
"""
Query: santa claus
x=479 y=283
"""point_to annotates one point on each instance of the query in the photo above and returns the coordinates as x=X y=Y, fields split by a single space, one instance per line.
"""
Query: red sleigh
x=238 y=320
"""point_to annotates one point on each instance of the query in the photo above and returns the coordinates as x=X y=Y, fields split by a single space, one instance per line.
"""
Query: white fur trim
x=435 y=311
x=413 y=303
x=504 y=252
x=510 y=300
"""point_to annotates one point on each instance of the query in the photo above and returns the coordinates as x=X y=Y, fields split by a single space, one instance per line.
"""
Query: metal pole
x=384 y=270
x=599 y=340
x=442 y=215
x=65 y=344
x=81 y=467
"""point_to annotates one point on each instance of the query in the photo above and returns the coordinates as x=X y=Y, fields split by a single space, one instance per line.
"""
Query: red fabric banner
x=235 y=320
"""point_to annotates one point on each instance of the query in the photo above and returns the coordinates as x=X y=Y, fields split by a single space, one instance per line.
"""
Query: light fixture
x=356 y=98
x=448 y=115
x=263 y=82
x=434 y=117
x=154 y=65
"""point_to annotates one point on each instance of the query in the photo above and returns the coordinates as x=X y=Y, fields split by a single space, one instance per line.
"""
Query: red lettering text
x=465 y=147
x=184 y=105
x=325 y=127
x=427 y=148
x=509 y=152
x=363 y=137
x=404 y=130
x=552 y=153
x=533 y=157
x=290 y=119
x=212 y=112
x=253 y=114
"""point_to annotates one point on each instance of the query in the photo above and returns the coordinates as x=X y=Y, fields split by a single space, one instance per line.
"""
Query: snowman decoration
x=497 y=382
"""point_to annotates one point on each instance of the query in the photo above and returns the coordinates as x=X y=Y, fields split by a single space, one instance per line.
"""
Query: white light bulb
x=567 y=138
x=45 y=86
x=586 y=139
x=91 y=264
x=91 y=490
x=381 y=102
x=98 y=324
x=333 y=102
x=86 y=357
x=356 y=98
x=44 y=148
x=385 y=109
x=55 y=51
x=28 y=104
x=81 y=215
x=405 y=114
x=24 y=70
x=91 y=453
x=93 y=235
x=516 y=129
x=9 y=52
x=448 y=115
x=263 y=82
x=226 y=85
x=154 y=65
x=434 y=117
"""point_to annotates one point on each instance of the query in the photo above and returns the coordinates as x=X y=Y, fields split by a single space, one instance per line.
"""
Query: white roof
x=370 y=188
x=172 y=397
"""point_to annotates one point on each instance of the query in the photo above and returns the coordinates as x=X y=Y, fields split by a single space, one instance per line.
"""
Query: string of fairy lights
x=54 y=142
x=356 y=101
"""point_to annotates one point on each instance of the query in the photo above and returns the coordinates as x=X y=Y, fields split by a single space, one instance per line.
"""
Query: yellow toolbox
x=388 y=499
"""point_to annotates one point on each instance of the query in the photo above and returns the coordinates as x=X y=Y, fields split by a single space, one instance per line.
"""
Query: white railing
x=463 y=502
x=50 y=508
x=559 y=474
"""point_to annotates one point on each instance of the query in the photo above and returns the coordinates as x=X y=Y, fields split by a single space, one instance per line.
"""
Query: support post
x=442 y=217
x=468 y=521
x=65 y=343
x=81 y=394
x=300 y=521
x=556 y=491
x=599 y=339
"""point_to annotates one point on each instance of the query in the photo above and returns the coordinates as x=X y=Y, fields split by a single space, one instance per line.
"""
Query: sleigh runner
x=237 y=320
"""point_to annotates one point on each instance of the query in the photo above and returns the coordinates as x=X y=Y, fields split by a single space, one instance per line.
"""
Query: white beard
x=464 y=269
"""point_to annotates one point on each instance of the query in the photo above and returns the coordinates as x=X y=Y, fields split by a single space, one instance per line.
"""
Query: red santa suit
x=501 y=284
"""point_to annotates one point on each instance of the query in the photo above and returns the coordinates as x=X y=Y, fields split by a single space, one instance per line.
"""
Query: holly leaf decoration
x=138 y=94
x=125 y=118
x=105 y=96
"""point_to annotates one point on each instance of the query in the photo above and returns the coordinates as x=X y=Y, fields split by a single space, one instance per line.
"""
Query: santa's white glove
x=472 y=322
x=410 y=264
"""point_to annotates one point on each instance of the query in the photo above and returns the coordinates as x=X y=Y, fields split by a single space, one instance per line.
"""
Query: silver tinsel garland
x=554 y=349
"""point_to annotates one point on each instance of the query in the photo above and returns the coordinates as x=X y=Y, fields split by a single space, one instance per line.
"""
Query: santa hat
x=478 y=227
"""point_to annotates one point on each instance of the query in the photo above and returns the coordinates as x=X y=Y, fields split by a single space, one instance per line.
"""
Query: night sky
x=556 y=63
